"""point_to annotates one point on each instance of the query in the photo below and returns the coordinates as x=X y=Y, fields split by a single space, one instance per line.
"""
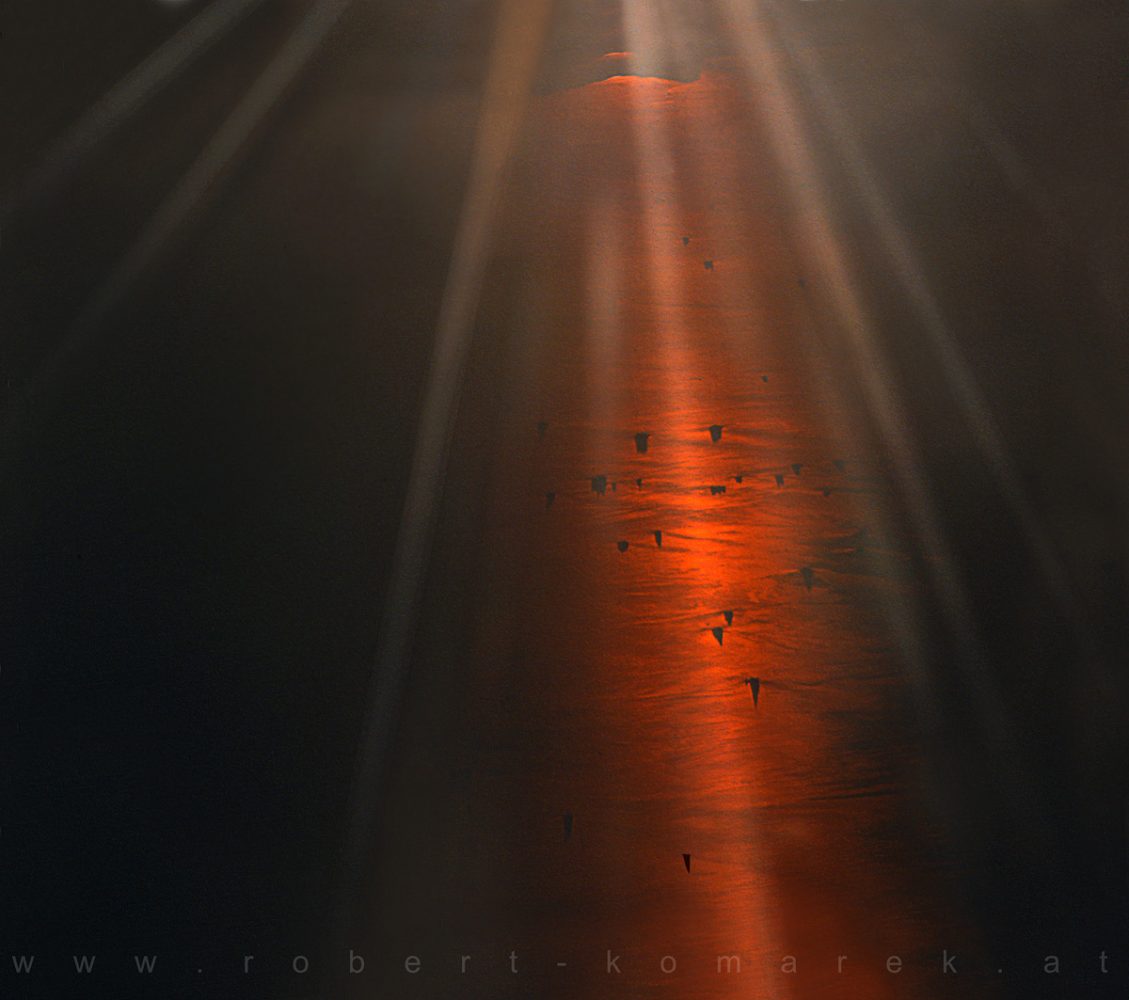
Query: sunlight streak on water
x=594 y=675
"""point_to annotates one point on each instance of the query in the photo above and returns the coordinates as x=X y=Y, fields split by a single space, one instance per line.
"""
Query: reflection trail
x=590 y=682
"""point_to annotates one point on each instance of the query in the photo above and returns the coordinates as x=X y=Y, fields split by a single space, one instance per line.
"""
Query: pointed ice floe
x=779 y=479
x=659 y=538
x=685 y=241
x=718 y=633
x=709 y=265
x=755 y=688
x=715 y=432
x=621 y=545
x=641 y=441
x=796 y=466
x=600 y=485
x=728 y=617
x=686 y=861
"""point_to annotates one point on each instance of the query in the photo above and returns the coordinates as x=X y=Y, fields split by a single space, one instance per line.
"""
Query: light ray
x=518 y=40
x=648 y=30
x=959 y=377
x=125 y=99
x=605 y=284
x=229 y=143
x=761 y=58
